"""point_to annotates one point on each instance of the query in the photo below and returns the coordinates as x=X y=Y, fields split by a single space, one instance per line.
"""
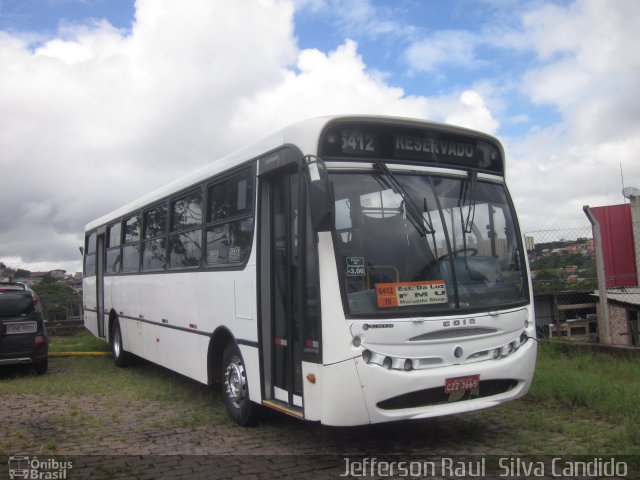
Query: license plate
x=461 y=384
x=23 y=327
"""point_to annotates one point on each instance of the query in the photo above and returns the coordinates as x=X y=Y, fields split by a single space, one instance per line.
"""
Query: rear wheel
x=235 y=389
x=41 y=367
x=120 y=357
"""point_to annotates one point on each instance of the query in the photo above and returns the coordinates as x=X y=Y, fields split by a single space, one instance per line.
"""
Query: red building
x=617 y=245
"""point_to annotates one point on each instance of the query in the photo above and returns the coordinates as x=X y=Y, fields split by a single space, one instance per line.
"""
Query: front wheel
x=235 y=389
x=120 y=357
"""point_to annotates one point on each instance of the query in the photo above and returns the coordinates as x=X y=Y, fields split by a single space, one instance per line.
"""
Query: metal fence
x=565 y=265
x=563 y=274
x=59 y=289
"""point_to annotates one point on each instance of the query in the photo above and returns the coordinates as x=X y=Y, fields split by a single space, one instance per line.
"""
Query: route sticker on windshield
x=405 y=294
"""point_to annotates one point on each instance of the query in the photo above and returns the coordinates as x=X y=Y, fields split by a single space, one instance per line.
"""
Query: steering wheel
x=473 y=251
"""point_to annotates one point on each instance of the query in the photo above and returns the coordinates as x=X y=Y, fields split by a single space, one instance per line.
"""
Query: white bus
x=346 y=270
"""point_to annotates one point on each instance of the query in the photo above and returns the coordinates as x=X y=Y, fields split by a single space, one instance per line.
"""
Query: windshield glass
x=465 y=257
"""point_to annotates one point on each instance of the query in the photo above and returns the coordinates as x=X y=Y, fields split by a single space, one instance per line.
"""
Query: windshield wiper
x=413 y=213
x=468 y=195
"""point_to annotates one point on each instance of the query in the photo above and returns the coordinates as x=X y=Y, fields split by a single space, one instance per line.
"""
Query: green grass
x=83 y=341
x=603 y=386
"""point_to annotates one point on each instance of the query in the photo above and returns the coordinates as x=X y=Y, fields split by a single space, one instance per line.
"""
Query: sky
x=102 y=101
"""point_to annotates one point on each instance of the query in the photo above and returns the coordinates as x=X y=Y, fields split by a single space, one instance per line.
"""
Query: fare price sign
x=404 y=294
x=355 y=267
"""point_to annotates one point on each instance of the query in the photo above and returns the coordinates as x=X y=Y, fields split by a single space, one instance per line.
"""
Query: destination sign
x=359 y=142
x=409 y=144
x=448 y=151
x=439 y=146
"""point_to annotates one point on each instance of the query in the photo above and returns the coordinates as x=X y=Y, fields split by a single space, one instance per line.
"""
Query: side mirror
x=81 y=251
x=319 y=194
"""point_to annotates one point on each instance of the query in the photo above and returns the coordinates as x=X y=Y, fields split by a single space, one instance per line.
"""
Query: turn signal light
x=311 y=377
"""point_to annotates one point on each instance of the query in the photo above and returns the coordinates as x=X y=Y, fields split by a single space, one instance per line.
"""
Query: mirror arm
x=319 y=192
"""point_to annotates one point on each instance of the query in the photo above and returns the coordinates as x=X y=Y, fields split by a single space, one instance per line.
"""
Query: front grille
x=454 y=333
x=437 y=395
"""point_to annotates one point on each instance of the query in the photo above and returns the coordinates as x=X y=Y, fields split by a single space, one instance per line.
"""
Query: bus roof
x=303 y=134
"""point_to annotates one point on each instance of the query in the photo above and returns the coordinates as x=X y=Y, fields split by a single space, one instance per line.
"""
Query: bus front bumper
x=356 y=393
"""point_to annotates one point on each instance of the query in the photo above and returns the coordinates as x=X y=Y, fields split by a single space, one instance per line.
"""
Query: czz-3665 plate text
x=459 y=384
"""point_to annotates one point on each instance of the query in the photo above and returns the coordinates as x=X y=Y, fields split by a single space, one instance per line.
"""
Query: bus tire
x=235 y=388
x=120 y=357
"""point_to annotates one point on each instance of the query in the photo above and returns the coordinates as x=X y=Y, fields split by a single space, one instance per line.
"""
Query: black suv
x=23 y=337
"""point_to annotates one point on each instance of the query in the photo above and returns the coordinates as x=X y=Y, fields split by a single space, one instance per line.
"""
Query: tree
x=20 y=273
x=48 y=280
x=56 y=300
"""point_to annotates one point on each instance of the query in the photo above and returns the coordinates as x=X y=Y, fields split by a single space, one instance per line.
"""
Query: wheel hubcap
x=235 y=382
x=116 y=343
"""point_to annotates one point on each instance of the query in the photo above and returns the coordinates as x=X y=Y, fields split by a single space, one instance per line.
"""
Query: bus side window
x=186 y=221
x=230 y=220
x=90 y=255
x=114 y=233
x=131 y=247
x=154 y=245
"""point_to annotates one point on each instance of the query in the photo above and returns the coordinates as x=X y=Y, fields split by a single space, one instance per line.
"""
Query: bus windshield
x=466 y=255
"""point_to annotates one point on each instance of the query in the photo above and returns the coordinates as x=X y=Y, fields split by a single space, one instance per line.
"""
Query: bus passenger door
x=280 y=268
x=100 y=256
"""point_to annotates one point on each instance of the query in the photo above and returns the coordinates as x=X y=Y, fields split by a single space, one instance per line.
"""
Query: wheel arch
x=113 y=318
x=220 y=338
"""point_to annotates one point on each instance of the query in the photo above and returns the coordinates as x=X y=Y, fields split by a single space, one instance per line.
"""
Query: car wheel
x=120 y=357
x=235 y=388
x=41 y=367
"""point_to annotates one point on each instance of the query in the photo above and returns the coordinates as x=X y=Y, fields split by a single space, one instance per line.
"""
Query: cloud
x=96 y=117
x=467 y=109
x=453 y=48
x=359 y=18
x=579 y=60
x=587 y=70
x=324 y=84
x=588 y=65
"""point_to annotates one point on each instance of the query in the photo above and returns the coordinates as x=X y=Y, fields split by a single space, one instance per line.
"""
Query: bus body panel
x=343 y=395
x=312 y=391
x=181 y=351
x=437 y=338
x=109 y=286
x=90 y=304
x=229 y=299
x=126 y=298
x=160 y=319
x=380 y=384
x=173 y=303
x=339 y=348
x=251 y=357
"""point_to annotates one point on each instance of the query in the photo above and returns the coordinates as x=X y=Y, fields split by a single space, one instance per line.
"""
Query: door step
x=284 y=408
